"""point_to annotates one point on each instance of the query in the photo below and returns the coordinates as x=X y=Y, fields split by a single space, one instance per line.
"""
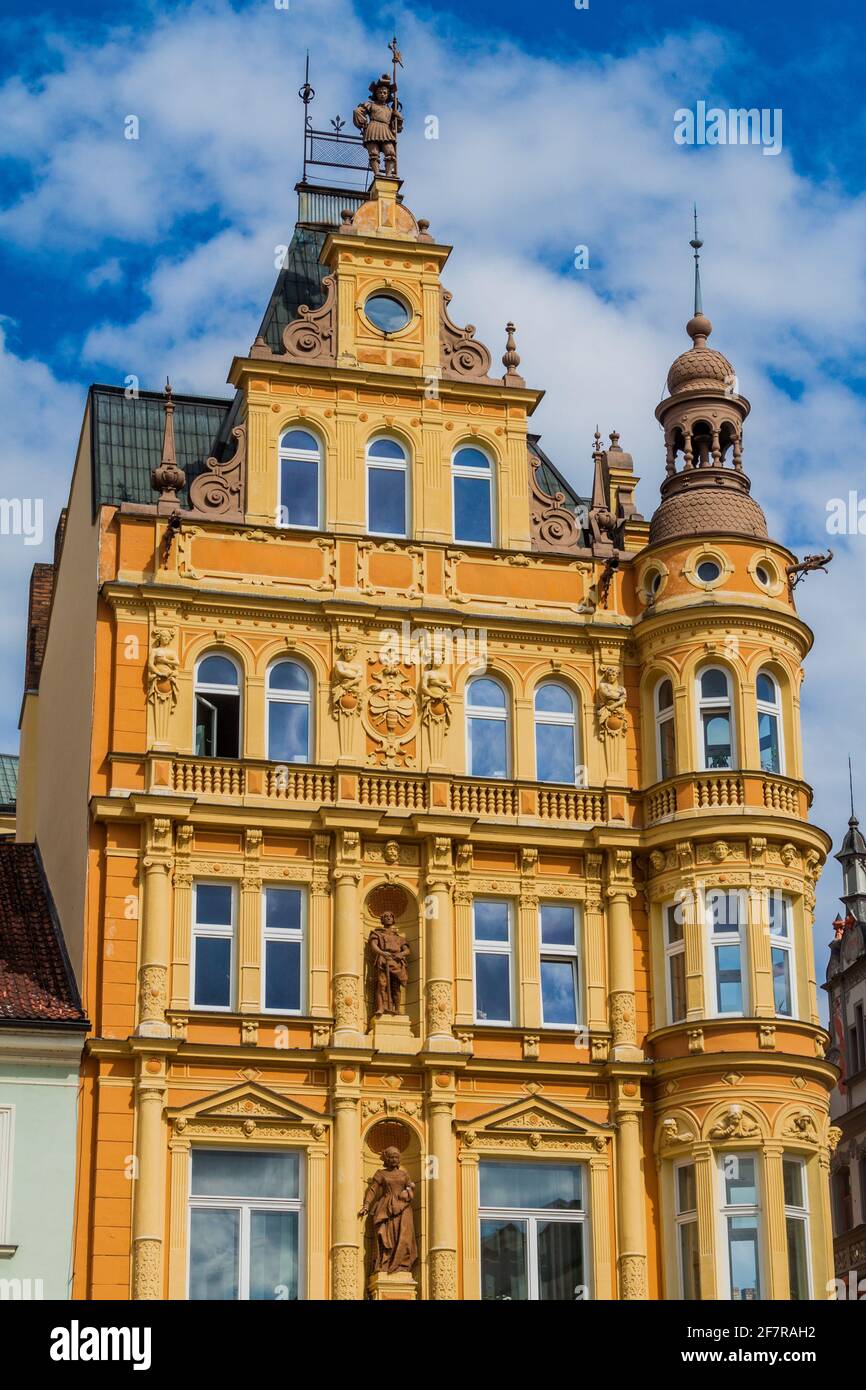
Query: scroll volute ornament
x=219 y=490
x=311 y=336
x=462 y=356
x=553 y=526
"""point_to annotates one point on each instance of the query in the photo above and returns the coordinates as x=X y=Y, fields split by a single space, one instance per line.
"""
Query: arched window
x=715 y=719
x=769 y=723
x=288 y=713
x=666 y=746
x=387 y=488
x=217 y=708
x=487 y=728
x=555 y=734
x=472 y=483
x=300 y=480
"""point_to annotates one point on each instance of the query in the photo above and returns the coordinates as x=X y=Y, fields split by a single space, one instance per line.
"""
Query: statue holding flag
x=379 y=119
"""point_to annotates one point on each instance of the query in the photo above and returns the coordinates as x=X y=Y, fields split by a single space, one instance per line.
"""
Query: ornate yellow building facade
x=368 y=653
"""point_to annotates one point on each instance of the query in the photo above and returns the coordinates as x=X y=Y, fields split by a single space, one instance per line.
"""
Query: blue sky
x=556 y=129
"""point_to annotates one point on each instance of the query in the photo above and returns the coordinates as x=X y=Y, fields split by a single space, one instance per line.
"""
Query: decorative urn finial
x=511 y=358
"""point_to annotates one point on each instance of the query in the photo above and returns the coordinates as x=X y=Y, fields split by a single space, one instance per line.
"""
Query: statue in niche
x=388 y=1200
x=389 y=958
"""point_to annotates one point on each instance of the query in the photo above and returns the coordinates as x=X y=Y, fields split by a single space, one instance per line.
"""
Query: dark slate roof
x=36 y=980
x=853 y=842
x=8 y=780
x=299 y=282
x=127 y=434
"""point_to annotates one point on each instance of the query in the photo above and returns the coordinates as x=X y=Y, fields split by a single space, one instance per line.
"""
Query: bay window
x=715 y=719
x=740 y=1276
x=782 y=953
x=688 y=1245
x=796 y=1226
x=675 y=961
x=726 y=920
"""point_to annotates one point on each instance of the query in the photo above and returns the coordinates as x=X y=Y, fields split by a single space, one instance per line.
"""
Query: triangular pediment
x=534 y=1114
x=248 y=1101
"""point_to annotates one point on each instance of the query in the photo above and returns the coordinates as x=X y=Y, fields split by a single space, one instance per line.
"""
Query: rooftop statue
x=379 y=120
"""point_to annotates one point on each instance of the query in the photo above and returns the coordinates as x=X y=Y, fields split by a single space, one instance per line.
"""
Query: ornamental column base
x=400 y=1287
x=146 y=1268
x=344 y=1273
x=443 y=1275
x=632 y=1277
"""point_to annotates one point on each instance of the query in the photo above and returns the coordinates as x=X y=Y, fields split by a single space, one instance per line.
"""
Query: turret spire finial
x=851 y=786
x=696 y=244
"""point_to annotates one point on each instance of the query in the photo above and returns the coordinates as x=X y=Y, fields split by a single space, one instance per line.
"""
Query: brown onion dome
x=708 y=501
x=702 y=367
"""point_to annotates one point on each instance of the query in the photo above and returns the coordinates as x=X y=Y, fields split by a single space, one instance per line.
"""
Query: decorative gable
x=245 y=1111
x=534 y=1124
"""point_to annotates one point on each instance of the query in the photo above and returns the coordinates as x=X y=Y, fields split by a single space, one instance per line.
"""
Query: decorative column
x=442 y=1177
x=593 y=933
x=348 y=962
x=468 y=1162
x=599 y=1196
x=528 y=965
x=630 y=1194
x=621 y=957
x=778 y=1283
x=761 y=981
x=705 y=1189
x=148 y=1217
x=439 y=985
x=346 y=1186
x=250 y=933
x=155 y=931
x=320 y=902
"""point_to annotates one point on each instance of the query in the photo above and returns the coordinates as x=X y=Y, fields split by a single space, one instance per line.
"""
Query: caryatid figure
x=380 y=124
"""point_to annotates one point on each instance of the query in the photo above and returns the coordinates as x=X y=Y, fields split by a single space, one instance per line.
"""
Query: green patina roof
x=299 y=282
x=8 y=779
x=127 y=434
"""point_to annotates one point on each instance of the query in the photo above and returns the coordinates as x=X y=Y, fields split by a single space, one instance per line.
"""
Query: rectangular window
x=386 y=499
x=861 y=1037
x=741 y=1222
x=796 y=1226
x=533 y=1219
x=299 y=491
x=6 y=1118
x=726 y=919
x=782 y=952
x=245 y=1225
x=283 y=918
x=688 y=1252
x=667 y=748
x=675 y=961
x=560 y=981
x=213 y=931
x=491 y=929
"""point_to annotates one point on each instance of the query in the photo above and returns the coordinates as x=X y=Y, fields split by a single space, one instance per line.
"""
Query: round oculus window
x=708 y=571
x=387 y=313
x=763 y=575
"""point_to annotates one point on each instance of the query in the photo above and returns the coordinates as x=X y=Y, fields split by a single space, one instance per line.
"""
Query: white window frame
x=494 y=948
x=567 y=721
x=683 y=1218
x=784 y=943
x=246 y=1205
x=664 y=717
x=282 y=934
x=723 y=1211
x=671 y=949
x=205 y=688
x=773 y=709
x=393 y=466
x=464 y=471
x=290 y=697
x=488 y=712
x=727 y=938
x=214 y=931
x=719 y=704
x=800 y=1214
x=301 y=456
x=7 y=1150
x=531 y=1216
x=564 y=954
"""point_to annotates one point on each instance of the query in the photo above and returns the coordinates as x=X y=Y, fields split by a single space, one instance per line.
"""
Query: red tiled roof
x=41 y=590
x=36 y=980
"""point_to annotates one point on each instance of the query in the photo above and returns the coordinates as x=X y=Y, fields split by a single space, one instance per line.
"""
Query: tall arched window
x=387 y=488
x=300 y=480
x=715 y=719
x=487 y=728
x=555 y=734
x=472 y=484
x=769 y=722
x=666 y=746
x=288 y=713
x=217 y=708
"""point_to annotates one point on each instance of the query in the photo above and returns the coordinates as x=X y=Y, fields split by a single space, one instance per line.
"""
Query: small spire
x=169 y=476
x=696 y=244
x=596 y=449
x=853 y=820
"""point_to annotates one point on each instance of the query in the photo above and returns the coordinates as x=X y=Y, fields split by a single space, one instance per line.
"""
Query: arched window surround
x=664 y=719
x=717 y=748
x=484 y=747
x=385 y=471
x=557 y=724
x=294 y=463
x=287 y=700
x=465 y=476
x=770 y=722
x=213 y=698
